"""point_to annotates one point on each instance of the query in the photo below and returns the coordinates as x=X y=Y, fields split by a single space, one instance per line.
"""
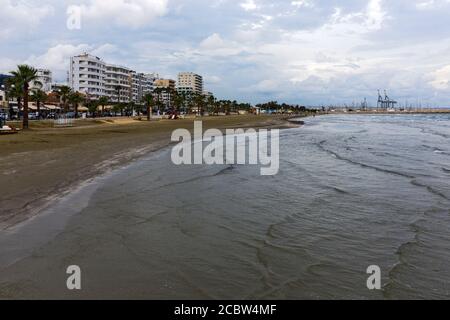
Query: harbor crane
x=386 y=102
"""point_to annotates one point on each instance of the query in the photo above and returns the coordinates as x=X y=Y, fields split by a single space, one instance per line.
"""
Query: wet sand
x=43 y=164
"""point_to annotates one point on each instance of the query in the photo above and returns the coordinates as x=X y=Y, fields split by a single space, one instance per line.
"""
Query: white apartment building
x=87 y=75
x=43 y=81
x=189 y=82
x=141 y=85
x=118 y=83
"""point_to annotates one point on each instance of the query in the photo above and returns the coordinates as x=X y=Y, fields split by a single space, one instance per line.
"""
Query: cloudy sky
x=310 y=52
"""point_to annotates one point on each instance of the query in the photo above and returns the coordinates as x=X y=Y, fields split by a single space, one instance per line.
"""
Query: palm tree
x=75 y=99
x=178 y=101
x=149 y=102
x=14 y=90
x=64 y=92
x=38 y=96
x=92 y=106
x=103 y=101
x=24 y=75
x=211 y=103
x=199 y=100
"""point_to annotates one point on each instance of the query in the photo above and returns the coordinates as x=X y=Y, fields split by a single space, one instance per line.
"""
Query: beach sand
x=43 y=164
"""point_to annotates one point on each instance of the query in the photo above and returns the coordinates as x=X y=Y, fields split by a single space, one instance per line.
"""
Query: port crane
x=386 y=102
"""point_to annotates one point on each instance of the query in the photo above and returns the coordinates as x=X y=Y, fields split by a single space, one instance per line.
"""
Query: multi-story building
x=189 y=82
x=151 y=78
x=165 y=83
x=118 y=83
x=57 y=86
x=87 y=75
x=43 y=81
x=141 y=85
x=166 y=89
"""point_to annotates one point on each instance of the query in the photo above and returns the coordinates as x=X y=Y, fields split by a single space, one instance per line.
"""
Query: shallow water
x=352 y=191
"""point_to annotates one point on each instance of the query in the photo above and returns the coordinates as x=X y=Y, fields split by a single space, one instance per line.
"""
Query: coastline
x=43 y=165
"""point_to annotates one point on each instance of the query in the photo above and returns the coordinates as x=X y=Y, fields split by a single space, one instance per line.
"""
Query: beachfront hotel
x=96 y=78
x=189 y=83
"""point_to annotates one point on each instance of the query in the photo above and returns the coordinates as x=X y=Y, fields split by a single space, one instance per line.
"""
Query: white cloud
x=368 y=20
x=302 y=3
x=214 y=45
x=124 y=13
x=211 y=79
x=57 y=58
x=249 y=5
x=441 y=78
x=431 y=4
x=21 y=16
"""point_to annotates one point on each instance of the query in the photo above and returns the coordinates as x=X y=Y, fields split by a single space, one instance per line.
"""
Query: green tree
x=211 y=104
x=149 y=102
x=38 y=96
x=63 y=93
x=103 y=101
x=24 y=75
x=92 y=107
x=199 y=100
x=75 y=98
x=179 y=101
x=14 y=91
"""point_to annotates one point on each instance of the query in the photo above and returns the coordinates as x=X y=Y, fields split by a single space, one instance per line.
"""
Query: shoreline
x=42 y=166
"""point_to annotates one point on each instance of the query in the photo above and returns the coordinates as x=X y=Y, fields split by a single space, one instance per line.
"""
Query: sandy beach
x=44 y=163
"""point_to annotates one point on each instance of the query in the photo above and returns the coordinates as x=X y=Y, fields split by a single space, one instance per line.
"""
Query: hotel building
x=189 y=82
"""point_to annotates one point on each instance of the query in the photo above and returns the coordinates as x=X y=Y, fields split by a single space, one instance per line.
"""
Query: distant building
x=189 y=82
x=57 y=86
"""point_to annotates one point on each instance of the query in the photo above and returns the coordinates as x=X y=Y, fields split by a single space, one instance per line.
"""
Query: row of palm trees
x=18 y=86
x=199 y=103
